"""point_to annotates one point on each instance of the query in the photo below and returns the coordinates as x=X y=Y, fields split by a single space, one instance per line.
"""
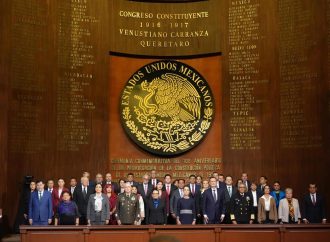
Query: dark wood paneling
x=120 y=236
x=289 y=72
x=185 y=233
x=276 y=62
x=306 y=236
x=58 y=118
x=250 y=236
x=4 y=77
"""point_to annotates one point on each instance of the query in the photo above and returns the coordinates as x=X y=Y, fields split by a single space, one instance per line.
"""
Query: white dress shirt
x=72 y=189
x=98 y=202
x=181 y=192
x=267 y=202
x=59 y=192
x=255 y=201
x=312 y=197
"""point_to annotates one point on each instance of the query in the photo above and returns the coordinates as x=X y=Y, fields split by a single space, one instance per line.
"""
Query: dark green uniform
x=241 y=208
x=127 y=210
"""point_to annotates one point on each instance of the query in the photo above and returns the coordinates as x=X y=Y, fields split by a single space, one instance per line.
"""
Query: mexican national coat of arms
x=166 y=107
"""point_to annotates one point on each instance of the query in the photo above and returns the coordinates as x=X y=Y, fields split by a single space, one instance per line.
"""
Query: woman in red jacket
x=112 y=201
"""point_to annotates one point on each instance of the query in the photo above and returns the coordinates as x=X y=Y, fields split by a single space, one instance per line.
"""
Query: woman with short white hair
x=288 y=210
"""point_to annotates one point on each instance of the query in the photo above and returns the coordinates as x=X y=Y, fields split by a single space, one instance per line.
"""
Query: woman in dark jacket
x=67 y=211
x=186 y=208
x=155 y=212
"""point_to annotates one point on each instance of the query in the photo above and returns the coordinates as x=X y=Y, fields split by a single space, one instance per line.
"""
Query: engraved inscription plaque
x=76 y=63
x=165 y=28
x=298 y=128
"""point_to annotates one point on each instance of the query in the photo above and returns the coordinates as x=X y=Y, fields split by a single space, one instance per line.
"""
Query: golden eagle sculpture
x=171 y=96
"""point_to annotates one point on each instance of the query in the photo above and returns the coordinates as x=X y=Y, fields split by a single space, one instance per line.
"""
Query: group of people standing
x=213 y=200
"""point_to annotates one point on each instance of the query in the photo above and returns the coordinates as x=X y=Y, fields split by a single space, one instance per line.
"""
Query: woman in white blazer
x=288 y=210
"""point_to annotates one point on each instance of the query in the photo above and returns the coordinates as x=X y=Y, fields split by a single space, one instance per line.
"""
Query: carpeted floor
x=12 y=238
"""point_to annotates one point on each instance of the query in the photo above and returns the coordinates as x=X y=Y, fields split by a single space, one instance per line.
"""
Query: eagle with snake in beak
x=171 y=96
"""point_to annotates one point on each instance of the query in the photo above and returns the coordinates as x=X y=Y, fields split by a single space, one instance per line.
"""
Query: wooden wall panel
x=58 y=118
x=122 y=149
x=4 y=76
x=216 y=233
x=120 y=236
x=304 y=236
x=187 y=235
x=55 y=91
x=273 y=60
x=250 y=78
x=304 y=144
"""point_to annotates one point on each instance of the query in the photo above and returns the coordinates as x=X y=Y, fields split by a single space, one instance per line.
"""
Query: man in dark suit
x=145 y=188
x=220 y=181
x=99 y=179
x=254 y=194
x=176 y=195
x=245 y=180
x=108 y=181
x=153 y=178
x=194 y=188
x=213 y=203
x=169 y=188
x=73 y=185
x=262 y=184
x=40 y=206
x=230 y=191
x=313 y=209
x=82 y=193
x=50 y=185
x=156 y=210
x=130 y=180
x=90 y=182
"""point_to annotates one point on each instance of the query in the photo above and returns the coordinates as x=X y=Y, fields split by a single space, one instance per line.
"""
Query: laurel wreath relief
x=170 y=147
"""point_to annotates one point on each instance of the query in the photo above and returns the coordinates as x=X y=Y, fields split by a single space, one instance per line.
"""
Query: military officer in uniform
x=128 y=211
x=241 y=207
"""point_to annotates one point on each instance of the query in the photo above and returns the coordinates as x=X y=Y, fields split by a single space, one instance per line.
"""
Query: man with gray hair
x=82 y=193
x=145 y=188
x=128 y=212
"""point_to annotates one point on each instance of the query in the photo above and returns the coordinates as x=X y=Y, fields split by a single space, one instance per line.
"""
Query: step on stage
x=207 y=233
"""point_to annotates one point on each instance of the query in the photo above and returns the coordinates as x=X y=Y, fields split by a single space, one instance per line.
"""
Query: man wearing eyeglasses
x=241 y=207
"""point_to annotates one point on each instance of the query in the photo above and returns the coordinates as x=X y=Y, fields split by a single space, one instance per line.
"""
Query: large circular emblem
x=166 y=107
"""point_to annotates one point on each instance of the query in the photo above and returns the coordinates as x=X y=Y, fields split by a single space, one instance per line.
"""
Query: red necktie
x=193 y=189
x=168 y=190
